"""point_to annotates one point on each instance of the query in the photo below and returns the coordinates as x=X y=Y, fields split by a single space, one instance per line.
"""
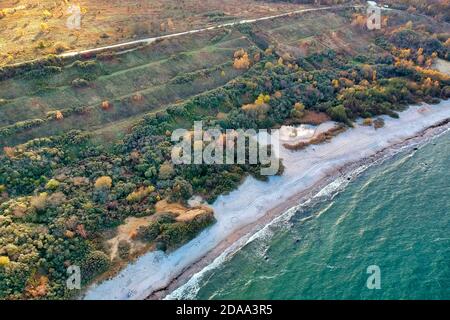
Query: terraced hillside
x=33 y=28
x=312 y=33
x=93 y=93
x=107 y=92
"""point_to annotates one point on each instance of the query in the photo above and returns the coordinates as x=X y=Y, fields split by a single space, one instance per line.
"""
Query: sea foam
x=253 y=199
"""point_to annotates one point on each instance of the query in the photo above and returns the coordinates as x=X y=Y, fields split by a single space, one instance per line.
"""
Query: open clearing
x=119 y=88
x=34 y=28
x=107 y=93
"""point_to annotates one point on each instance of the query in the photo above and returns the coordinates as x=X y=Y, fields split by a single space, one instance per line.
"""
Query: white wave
x=253 y=199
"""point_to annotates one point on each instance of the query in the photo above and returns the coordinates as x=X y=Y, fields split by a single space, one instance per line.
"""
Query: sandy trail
x=132 y=45
x=256 y=203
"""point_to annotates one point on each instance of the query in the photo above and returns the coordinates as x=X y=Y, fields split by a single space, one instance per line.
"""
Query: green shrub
x=52 y=184
x=338 y=113
x=96 y=263
x=124 y=248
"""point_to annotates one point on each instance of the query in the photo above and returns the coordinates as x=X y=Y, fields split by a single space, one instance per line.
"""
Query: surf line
x=422 y=137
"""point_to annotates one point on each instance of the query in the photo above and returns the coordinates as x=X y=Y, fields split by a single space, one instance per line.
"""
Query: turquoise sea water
x=395 y=215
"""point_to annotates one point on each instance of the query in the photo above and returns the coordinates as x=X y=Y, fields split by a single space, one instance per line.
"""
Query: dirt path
x=146 y=41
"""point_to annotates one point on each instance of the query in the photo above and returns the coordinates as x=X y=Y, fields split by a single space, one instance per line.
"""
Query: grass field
x=133 y=83
x=313 y=32
x=118 y=88
x=152 y=77
x=31 y=28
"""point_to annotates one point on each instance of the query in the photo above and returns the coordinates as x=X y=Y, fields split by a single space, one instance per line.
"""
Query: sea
x=383 y=235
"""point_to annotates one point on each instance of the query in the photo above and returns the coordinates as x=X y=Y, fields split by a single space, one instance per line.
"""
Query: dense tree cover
x=409 y=39
x=60 y=195
x=167 y=232
x=56 y=202
x=438 y=9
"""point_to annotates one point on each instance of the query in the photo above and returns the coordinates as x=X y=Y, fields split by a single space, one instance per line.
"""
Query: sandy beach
x=254 y=204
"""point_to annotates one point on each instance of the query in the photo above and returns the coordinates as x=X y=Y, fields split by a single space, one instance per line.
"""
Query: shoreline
x=254 y=205
x=247 y=232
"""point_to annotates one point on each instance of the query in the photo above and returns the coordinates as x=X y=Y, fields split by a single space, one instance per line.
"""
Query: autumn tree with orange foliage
x=447 y=43
x=106 y=105
x=59 y=115
x=37 y=287
x=359 y=21
x=241 y=60
x=104 y=182
x=9 y=151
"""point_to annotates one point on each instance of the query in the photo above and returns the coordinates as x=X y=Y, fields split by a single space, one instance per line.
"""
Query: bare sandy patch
x=129 y=229
x=127 y=232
